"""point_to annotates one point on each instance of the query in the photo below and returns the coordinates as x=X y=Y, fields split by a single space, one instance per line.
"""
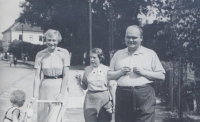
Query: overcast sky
x=9 y=12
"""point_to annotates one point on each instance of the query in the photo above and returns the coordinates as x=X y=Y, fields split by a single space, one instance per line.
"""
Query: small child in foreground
x=17 y=98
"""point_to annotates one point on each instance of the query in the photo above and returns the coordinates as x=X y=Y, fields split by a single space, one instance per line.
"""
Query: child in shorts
x=17 y=98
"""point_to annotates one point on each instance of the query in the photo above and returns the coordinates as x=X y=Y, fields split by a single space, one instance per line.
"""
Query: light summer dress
x=51 y=65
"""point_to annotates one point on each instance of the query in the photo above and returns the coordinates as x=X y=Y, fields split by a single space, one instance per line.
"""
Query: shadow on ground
x=20 y=65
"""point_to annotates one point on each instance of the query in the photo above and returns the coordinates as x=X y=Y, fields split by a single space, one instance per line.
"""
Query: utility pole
x=111 y=37
x=180 y=81
x=22 y=43
x=90 y=23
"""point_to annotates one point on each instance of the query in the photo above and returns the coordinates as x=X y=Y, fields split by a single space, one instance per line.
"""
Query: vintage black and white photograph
x=100 y=60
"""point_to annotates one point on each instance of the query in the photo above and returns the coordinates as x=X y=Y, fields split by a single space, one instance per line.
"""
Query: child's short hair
x=17 y=96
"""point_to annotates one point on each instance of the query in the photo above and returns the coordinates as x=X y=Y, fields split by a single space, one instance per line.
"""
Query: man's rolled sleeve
x=156 y=64
x=112 y=63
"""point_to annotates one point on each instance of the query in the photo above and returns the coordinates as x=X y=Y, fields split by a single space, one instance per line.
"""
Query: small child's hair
x=17 y=96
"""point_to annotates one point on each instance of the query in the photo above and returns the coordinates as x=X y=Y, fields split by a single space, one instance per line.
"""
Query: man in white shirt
x=135 y=68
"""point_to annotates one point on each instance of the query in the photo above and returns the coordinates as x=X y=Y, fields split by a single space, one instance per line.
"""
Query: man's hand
x=125 y=70
x=139 y=71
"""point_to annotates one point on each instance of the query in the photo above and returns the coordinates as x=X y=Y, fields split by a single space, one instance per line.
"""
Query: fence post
x=171 y=86
x=180 y=79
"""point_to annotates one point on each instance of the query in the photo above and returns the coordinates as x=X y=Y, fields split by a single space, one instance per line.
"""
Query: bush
x=29 y=49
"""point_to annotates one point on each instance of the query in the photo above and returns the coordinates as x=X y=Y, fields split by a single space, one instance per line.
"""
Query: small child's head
x=18 y=97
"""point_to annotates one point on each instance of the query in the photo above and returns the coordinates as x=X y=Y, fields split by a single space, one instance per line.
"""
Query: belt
x=98 y=90
x=53 y=77
x=134 y=87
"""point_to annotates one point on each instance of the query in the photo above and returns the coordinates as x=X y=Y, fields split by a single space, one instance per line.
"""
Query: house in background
x=1 y=47
x=31 y=34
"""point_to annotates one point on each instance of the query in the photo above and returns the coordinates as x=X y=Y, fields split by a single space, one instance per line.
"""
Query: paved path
x=74 y=111
x=8 y=75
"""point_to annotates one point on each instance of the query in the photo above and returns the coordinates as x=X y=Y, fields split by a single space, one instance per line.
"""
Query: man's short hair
x=17 y=96
x=138 y=27
x=99 y=53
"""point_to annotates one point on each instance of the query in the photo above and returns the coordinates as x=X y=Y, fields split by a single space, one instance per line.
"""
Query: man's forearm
x=114 y=75
x=154 y=75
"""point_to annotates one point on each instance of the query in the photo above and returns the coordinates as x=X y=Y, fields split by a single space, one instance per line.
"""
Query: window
x=40 y=38
x=44 y=38
x=20 y=36
x=31 y=37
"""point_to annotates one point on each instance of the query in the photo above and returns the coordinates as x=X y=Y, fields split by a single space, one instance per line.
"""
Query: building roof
x=26 y=27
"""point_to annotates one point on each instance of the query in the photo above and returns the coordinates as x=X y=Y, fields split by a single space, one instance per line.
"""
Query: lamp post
x=22 y=44
x=180 y=82
x=111 y=37
x=90 y=23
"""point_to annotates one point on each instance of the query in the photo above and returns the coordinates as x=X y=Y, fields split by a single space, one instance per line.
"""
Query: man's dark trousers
x=135 y=104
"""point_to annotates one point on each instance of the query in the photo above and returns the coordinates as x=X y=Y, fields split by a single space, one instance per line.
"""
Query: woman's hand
x=82 y=81
x=33 y=100
x=78 y=78
x=59 y=98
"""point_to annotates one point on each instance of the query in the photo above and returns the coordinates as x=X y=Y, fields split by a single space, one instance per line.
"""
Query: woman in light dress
x=51 y=79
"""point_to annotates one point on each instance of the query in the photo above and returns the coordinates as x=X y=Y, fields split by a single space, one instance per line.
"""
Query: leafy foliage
x=15 y=48
x=29 y=49
x=67 y=16
x=70 y=17
x=172 y=24
x=179 y=37
x=184 y=28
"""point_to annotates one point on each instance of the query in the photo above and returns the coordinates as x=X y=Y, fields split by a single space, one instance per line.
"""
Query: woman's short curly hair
x=17 y=97
x=51 y=33
x=99 y=53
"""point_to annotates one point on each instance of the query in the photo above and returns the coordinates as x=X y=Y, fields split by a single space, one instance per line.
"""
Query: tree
x=15 y=48
x=30 y=49
x=184 y=29
x=70 y=17
x=110 y=19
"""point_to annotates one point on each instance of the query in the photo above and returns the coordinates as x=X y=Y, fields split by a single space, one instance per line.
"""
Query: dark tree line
x=71 y=18
x=110 y=18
